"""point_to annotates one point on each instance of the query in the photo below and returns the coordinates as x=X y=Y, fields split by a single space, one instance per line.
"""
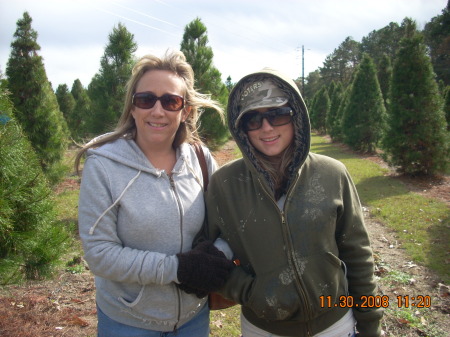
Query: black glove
x=204 y=268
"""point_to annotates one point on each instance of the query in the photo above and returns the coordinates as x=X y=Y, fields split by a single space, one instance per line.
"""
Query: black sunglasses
x=147 y=100
x=253 y=120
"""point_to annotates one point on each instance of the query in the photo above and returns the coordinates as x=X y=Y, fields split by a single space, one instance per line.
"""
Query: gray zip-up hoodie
x=133 y=220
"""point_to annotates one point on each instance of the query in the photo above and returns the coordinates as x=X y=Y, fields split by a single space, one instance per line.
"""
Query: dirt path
x=65 y=306
x=412 y=280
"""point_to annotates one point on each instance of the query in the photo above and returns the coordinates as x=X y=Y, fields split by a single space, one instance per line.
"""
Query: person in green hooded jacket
x=293 y=220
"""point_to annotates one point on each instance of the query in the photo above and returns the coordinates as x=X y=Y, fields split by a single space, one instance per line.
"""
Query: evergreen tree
x=31 y=241
x=338 y=130
x=330 y=89
x=437 y=38
x=416 y=140
x=312 y=104
x=364 y=117
x=66 y=103
x=332 y=120
x=3 y=81
x=36 y=104
x=207 y=78
x=81 y=111
x=229 y=84
x=320 y=110
x=385 y=77
x=340 y=65
x=447 y=106
x=313 y=84
x=383 y=42
x=107 y=88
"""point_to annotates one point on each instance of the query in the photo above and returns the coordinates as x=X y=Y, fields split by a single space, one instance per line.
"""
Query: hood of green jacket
x=302 y=138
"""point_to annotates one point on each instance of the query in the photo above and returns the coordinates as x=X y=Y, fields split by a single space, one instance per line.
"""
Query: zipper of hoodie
x=177 y=198
x=291 y=251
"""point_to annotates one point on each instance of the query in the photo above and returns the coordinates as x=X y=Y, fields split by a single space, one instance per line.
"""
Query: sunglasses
x=147 y=100
x=253 y=120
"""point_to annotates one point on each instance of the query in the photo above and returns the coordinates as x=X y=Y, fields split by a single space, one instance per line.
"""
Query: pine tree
x=66 y=103
x=385 y=77
x=31 y=241
x=338 y=130
x=107 y=88
x=207 y=79
x=447 y=106
x=321 y=109
x=340 y=65
x=383 y=42
x=229 y=84
x=416 y=140
x=332 y=116
x=81 y=111
x=437 y=38
x=364 y=118
x=36 y=104
x=313 y=84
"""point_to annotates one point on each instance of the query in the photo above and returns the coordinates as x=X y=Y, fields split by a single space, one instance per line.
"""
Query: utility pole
x=303 y=70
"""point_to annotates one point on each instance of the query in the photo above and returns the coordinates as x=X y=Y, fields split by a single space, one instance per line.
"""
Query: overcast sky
x=245 y=35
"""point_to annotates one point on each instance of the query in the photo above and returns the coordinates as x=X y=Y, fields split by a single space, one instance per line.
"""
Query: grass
x=422 y=224
x=225 y=323
x=415 y=318
x=66 y=200
x=66 y=203
x=397 y=277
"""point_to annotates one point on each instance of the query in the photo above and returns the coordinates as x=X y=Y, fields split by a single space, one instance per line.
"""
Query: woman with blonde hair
x=141 y=204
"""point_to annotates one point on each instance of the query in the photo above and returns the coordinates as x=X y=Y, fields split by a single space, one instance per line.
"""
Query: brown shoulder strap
x=201 y=159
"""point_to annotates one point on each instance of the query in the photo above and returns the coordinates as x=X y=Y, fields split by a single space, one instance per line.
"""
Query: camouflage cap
x=260 y=94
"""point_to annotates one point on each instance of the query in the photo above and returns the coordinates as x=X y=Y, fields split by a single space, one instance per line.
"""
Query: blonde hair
x=279 y=172
x=175 y=62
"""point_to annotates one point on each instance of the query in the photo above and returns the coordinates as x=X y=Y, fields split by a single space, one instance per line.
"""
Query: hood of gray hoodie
x=129 y=154
x=302 y=133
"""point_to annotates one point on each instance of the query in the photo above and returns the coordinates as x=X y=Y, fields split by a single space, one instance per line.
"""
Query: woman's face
x=271 y=140
x=157 y=126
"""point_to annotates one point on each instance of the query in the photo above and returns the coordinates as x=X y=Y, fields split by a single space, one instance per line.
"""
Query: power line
x=149 y=16
x=138 y=22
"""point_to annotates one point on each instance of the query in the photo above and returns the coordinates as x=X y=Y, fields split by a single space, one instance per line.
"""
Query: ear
x=186 y=112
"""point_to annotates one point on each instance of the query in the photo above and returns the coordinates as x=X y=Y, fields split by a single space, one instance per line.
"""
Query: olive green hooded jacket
x=298 y=265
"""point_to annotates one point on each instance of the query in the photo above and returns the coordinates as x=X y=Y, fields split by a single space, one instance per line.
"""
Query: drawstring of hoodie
x=91 y=231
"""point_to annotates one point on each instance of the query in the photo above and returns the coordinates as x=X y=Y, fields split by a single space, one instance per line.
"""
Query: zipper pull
x=172 y=183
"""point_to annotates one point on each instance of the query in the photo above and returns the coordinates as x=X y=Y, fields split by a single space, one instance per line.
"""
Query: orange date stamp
x=377 y=301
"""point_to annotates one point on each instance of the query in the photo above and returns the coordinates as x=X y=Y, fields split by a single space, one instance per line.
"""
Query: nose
x=157 y=109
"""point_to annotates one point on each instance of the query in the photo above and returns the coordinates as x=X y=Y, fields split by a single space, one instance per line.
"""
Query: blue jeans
x=198 y=326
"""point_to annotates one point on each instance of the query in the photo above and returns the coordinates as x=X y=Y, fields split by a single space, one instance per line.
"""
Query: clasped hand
x=203 y=269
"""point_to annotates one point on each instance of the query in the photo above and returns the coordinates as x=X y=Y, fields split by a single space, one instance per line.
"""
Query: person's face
x=271 y=140
x=156 y=125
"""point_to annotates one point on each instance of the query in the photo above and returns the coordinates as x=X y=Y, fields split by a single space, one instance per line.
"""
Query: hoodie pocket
x=323 y=278
x=154 y=304
x=135 y=301
x=273 y=295
x=160 y=304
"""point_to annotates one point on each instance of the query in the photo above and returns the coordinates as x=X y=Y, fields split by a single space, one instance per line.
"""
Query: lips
x=270 y=139
x=157 y=125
